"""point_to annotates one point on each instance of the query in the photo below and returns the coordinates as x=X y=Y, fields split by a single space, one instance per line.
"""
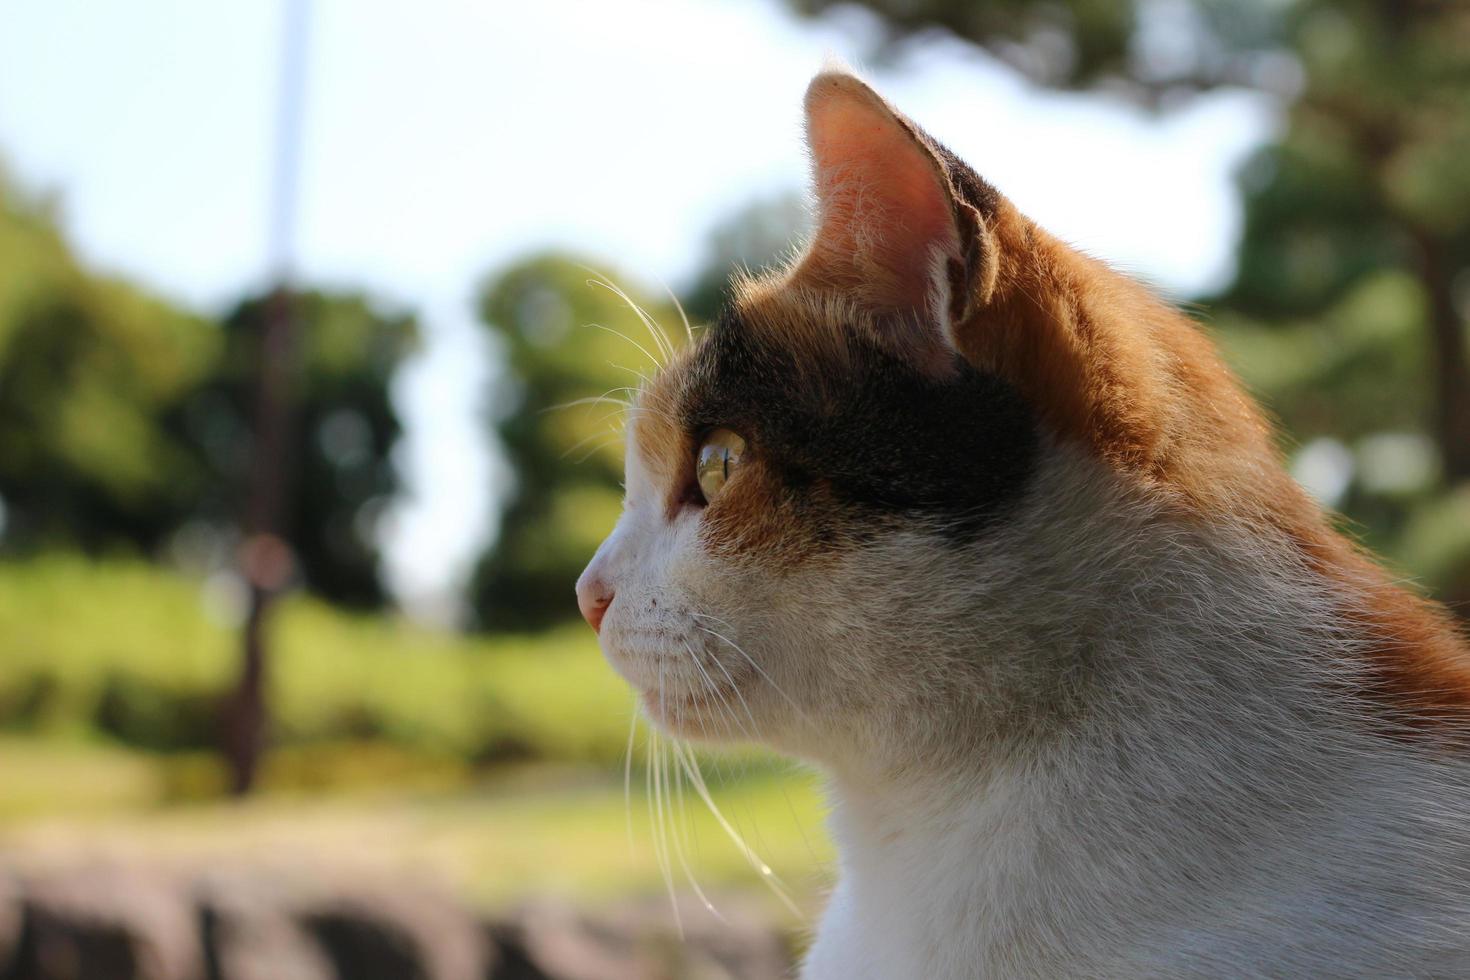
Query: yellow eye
x=718 y=457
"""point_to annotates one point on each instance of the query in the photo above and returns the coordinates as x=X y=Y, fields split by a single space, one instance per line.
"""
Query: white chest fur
x=1246 y=839
x=1361 y=871
x=1215 y=807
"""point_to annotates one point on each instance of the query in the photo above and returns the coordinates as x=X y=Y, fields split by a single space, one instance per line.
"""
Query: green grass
x=41 y=778
x=495 y=764
x=526 y=830
x=131 y=652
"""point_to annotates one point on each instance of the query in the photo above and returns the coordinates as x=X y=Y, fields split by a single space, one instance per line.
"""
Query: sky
x=444 y=138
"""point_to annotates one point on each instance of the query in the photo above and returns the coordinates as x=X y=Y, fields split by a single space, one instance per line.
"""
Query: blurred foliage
x=1348 y=314
x=143 y=659
x=1070 y=42
x=124 y=422
x=88 y=368
x=574 y=351
x=1150 y=50
x=1349 y=311
x=752 y=238
x=344 y=427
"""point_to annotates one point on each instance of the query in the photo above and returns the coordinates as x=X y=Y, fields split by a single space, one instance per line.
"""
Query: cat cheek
x=745 y=523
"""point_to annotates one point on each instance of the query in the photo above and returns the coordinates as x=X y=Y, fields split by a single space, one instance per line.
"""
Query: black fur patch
x=971 y=188
x=881 y=437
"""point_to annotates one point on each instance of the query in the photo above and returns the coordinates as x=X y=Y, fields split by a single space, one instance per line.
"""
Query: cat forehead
x=771 y=352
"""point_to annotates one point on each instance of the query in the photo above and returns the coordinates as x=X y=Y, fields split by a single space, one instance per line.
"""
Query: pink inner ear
x=884 y=210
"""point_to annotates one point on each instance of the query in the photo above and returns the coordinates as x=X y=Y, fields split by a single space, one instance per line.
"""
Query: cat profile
x=988 y=534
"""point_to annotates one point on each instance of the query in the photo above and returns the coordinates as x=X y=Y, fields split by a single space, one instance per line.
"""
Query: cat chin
x=687 y=693
x=700 y=715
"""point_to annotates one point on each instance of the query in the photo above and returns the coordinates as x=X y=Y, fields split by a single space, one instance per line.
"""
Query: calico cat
x=989 y=534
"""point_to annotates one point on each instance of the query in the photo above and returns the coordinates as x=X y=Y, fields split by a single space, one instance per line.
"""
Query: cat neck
x=1070 y=859
x=1210 y=746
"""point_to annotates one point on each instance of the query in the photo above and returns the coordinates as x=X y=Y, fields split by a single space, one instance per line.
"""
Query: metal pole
x=265 y=558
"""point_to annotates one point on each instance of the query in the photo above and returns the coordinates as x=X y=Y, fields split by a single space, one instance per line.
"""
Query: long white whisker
x=681 y=835
x=661 y=830
x=618 y=333
x=736 y=688
x=714 y=690
x=628 y=770
x=606 y=398
x=683 y=317
x=602 y=434
x=660 y=339
x=800 y=827
x=755 y=666
x=696 y=779
x=635 y=372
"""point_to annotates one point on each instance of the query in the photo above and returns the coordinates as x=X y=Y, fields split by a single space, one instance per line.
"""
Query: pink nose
x=593 y=597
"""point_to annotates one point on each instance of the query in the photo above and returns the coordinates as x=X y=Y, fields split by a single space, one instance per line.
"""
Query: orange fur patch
x=1111 y=367
x=1108 y=366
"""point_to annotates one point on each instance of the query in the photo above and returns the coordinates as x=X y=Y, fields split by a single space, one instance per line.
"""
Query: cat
x=989 y=535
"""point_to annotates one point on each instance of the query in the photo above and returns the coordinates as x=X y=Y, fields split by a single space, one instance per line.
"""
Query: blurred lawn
x=132 y=653
x=526 y=831
x=495 y=764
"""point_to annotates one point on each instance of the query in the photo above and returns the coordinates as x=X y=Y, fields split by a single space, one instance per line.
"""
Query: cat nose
x=594 y=595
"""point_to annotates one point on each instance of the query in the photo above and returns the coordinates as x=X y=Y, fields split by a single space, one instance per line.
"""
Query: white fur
x=1099 y=742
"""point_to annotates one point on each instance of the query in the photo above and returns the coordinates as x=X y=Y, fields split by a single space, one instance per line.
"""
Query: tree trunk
x=265 y=557
x=1451 y=364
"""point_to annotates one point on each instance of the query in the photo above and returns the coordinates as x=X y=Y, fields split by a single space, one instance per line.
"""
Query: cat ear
x=892 y=233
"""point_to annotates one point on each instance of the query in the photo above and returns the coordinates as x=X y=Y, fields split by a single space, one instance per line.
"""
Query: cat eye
x=718 y=456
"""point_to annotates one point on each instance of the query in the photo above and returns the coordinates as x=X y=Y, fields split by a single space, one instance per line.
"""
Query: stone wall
x=113 y=923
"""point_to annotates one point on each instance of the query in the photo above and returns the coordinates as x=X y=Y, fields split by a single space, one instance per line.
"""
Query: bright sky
x=445 y=137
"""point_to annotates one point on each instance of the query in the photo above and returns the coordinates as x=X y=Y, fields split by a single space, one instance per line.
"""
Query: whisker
x=661 y=845
x=628 y=770
x=618 y=333
x=736 y=688
x=691 y=768
x=603 y=399
x=635 y=372
x=660 y=339
x=600 y=434
x=633 y=408
x=681 y=836
x=594 y=450
x=683 y=317
x=713 y=688
x=800 y=824
x=731 y=775
x=750 y=660
x=654 y=772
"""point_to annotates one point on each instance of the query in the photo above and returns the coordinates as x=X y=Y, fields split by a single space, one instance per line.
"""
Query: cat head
x=877 y=501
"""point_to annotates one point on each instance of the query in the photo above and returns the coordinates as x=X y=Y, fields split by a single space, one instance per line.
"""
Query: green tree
x=753 y=237
x=573 y=350
x=88 y=365
x=1349 y=306
x=344 y=426
x=1355 y=268
x=124 y=421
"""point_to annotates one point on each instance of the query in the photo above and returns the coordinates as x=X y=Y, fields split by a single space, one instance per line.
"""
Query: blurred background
x=292 y=682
